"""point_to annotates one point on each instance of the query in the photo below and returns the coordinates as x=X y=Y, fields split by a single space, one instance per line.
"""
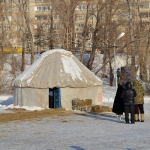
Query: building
x=46 y=24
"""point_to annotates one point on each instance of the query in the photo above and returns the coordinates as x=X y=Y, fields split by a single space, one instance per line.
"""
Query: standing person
x=118 y=74
x=139 y=101
x=123 y=74
x=128 y=95
x=118 y=106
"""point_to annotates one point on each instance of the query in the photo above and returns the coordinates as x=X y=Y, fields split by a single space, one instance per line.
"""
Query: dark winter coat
x=139 y=99
x=118 y=106
x=128 y=94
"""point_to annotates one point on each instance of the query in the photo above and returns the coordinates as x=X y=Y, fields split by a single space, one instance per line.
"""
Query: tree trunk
x=110 y=68
x=131 y=29
x=84 y=34
x=91 y=60
x=13 y=63
x=23 y=57
x=51 y=31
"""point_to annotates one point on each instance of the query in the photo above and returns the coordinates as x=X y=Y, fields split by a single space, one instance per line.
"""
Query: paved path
x=79 y=132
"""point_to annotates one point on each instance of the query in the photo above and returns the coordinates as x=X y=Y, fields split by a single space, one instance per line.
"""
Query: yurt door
x=57 y=98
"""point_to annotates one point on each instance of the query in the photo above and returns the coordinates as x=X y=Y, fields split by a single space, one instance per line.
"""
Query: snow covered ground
x=78 y=132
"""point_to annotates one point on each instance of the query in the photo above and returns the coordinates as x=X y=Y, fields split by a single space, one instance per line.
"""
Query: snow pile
x=6 y=102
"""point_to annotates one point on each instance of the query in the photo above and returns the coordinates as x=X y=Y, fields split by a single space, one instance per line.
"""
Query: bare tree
x=104 y=32
x=85 y=29
x=66 y=10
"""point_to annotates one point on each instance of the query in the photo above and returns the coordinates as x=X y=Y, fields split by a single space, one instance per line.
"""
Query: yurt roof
x=57 y=68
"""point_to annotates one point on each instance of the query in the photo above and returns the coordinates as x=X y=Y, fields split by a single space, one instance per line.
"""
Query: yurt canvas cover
x=60 y=69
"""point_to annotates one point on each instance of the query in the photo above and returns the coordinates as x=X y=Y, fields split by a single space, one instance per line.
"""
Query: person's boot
x=138 y=118
x=142 y=117
x=119 y=118
x=127 y=120
x=135 y=117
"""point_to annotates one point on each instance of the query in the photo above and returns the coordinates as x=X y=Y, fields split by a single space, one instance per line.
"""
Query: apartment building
x=48 y=26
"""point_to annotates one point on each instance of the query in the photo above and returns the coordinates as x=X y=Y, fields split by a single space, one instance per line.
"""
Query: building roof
x=57 y=68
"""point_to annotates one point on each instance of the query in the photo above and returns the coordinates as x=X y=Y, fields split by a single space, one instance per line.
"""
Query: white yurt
x=59 y=71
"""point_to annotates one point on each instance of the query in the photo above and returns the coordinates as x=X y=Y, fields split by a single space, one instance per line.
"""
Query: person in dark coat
x=128 y=95
x=118 y=105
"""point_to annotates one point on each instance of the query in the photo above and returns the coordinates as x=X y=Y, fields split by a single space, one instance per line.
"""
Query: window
x=39 y=1
x=3 y=1
x=57 y=26
x=79 y=35
x=80 y=25
x=144 y=5
x=80 y=17
x=82 y=7
x=68 y=1
x=9 y=10
x=43 y=36
x=87 y=44
x=18 y=1
x=57 y=35
x=42 y=8
x=144 y=15
x=7 y=18
x=38 y=8
x=126 y=15
x=18 y=28
x=41 y=17
x=6 y=27
x=26 y=45
x=146 y=23
x=47 y=26
x=57 y=17
x=37 y=17
x=19 y=45
x=27 y=9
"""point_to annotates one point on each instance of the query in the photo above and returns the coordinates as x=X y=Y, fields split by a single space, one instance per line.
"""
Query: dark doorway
x=54 y=98
x=51 y=98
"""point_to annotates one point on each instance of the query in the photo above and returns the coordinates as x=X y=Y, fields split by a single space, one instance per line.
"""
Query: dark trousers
x=129 y=108
x=118 y=77
x=51 y=101
x=138 y=107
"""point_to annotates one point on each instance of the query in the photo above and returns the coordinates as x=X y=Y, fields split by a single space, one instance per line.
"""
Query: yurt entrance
x=54 y=98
